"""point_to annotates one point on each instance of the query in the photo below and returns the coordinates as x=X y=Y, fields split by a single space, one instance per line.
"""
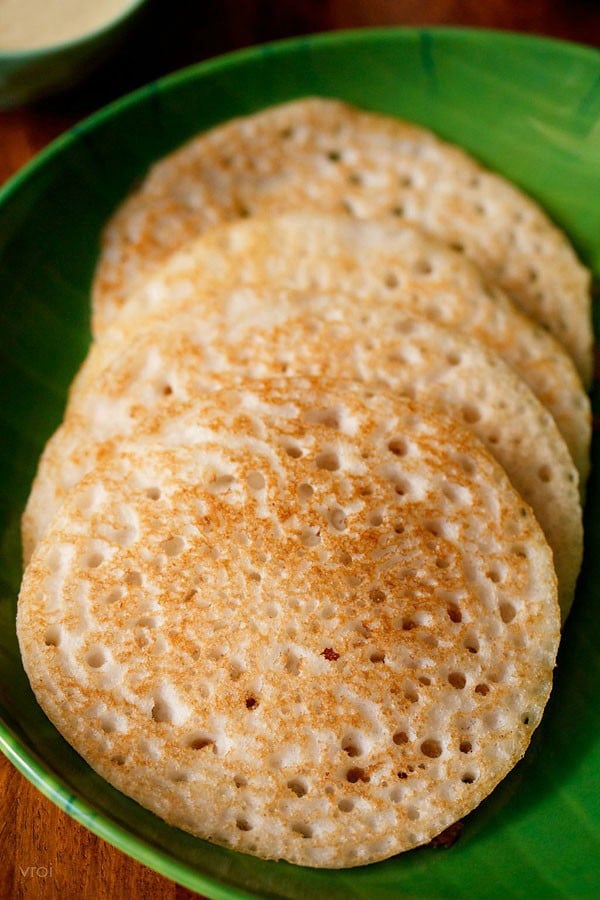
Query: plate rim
x=322 y=38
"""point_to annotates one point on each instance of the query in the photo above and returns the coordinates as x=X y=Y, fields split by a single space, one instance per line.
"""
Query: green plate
x=527 y=107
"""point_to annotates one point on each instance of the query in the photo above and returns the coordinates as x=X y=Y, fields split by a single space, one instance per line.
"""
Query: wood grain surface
x=43 y=853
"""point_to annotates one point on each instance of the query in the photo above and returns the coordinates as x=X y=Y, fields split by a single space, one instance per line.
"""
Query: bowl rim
x=31 y=54
x=41 y=776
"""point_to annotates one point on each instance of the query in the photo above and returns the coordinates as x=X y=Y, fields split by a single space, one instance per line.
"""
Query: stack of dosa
x=296 y=554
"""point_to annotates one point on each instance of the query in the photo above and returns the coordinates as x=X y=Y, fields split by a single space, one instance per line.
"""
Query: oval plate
x=528 y=107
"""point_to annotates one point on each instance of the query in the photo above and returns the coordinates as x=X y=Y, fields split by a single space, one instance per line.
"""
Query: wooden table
x=43 y=853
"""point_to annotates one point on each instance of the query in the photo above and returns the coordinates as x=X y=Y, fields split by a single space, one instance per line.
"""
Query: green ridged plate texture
x=528 y=107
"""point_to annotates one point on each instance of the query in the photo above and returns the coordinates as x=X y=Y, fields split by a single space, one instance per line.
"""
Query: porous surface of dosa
x=140 y=397
x=375 y=262
x=324 y=155
x=324 y=635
